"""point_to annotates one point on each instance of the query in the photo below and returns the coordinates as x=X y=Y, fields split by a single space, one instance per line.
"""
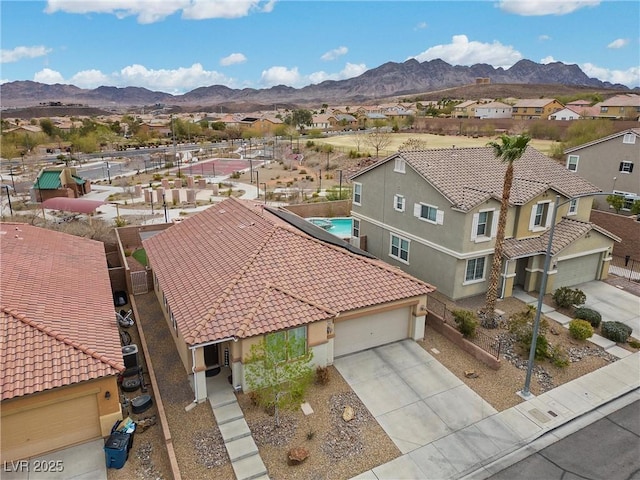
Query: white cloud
x=174 y=81
x=544 y=38
x=49 y=77
x=421 y=26
x=618 y=43
x=233 y=59
x=155 y=11
x=18 y=53
x=350 y=70
x=281 y=76
x=629 y=77
x=463 y=52
x=335 y=53
x=547 y=60
x=530 y=8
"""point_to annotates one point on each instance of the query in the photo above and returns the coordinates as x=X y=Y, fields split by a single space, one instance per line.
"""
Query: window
x=604 y=109
x=573 y=207
x=357 y=193
x=399 y=165
x=484 y=226
x=475 y=270
x=428 y=213
x=572 y=163
x=628 y=199
x=399 y=248
x=356 y=228
x=626 y=167
x=295 y=340
x=540 y=216
x=398 y=203
x=629 y=138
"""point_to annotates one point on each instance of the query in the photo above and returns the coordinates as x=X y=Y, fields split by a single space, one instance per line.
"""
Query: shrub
x=634 y=344
x=559 y=356
x=466 y=321
x=566 y=297
x=616 y=331
x=590 y=315
x=542 y=347
x=580 y=329
x=322 y=375
x=521 y=327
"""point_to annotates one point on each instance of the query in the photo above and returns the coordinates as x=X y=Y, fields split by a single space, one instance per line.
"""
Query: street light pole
x=265 y=192
x=340 y=188
x=151 y=196
x=164 y=204
x=526 y=392
x=9 y=199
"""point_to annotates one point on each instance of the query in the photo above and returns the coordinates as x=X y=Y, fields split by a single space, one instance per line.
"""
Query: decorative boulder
x=297 y=455
x=348 y=413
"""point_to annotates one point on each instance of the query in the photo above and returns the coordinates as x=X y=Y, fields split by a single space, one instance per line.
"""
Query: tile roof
x=534 y=102
x=566 y=232
x=635 y=131
x=57 y=317
x=469 y=176
x=235 y=271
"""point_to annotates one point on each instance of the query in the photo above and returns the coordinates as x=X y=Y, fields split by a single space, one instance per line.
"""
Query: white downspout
x=193 y=370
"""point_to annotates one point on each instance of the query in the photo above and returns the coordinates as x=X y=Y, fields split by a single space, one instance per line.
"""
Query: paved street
x=607 y=449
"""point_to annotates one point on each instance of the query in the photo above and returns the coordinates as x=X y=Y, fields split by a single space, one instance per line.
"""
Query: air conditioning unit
x=130 y=356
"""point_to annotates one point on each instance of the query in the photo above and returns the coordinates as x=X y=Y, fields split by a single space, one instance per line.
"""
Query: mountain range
x=410 y=78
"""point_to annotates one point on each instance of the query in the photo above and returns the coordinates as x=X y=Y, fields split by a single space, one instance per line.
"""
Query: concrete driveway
x=613 y=304
x=413 y=397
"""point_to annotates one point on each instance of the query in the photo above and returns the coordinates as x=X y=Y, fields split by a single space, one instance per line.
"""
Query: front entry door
x=211 y=356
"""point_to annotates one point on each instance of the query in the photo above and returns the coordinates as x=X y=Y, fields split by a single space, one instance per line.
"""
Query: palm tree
x=508 y=150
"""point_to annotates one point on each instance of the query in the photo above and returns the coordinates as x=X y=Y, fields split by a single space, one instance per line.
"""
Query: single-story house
x=238 y=272
x=60 y=350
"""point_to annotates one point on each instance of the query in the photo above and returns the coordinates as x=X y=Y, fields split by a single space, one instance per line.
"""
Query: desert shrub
x=590 y=315
x=466 y=321
x=634 y=344
x=566 y=297
x=616 y=331
x=580 y=329
x=322 y=375
x=559 y=356
x=521 y=327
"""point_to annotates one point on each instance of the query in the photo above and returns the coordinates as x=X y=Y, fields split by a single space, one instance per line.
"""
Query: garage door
x=50 y=427
x=371 y=331
x=577 y=270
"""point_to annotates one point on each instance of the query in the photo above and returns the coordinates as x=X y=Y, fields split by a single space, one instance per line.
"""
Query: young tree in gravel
x=508 y=150
x=278 y=370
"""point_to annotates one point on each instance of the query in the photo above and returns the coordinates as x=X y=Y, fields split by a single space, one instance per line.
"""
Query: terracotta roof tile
x=58 y=321
x=469 y=176
x=239 y=273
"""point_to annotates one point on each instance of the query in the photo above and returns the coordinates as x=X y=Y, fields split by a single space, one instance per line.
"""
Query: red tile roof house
x=59 y=349
x=233 y=273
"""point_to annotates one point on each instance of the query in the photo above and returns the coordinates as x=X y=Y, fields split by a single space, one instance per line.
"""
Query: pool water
x=338 y=226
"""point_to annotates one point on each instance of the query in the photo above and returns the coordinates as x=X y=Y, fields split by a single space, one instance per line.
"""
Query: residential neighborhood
x=135 y=303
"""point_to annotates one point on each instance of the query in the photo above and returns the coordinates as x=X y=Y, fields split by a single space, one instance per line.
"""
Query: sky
x=175 y=46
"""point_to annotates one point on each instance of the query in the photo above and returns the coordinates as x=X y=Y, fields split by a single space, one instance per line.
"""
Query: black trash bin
x=116 y=449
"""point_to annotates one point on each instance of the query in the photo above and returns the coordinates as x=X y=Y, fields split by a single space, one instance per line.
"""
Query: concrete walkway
x=242 y=449
x=445 y=430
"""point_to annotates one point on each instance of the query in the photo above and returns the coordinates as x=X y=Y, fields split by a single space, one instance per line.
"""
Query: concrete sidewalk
x=445 y=432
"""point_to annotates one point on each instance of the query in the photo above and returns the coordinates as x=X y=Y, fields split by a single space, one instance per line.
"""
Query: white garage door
x=371 y=331
x=577 y=270
x=50 y=427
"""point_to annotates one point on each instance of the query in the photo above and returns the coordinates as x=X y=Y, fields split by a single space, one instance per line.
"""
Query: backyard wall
x=338 y=208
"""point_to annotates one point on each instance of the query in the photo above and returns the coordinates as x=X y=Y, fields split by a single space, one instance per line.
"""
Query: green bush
x=616 y=331
x=559 y=356
x=542 y=347
x=634 y=344
x=466 y=321
x=521 y=327
x=580 y=329
x=590 y=315
x=566 y=297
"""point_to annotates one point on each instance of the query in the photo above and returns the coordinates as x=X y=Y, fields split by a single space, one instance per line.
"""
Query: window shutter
x=549 y=218
x=474 y=226
x=532 y=219
x=620 y=167
x=494 y=223
x=440 y=217
x=630 y=167
x=417 y=209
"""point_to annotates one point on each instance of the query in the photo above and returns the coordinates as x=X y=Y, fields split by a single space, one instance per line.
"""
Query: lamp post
x=265 y=191
x=151 y=196
x=340 y=187
x=13 y=181
x=164 y=204
x=258 y=182
x=9 y=199
x=109 y=173
x=526 y=392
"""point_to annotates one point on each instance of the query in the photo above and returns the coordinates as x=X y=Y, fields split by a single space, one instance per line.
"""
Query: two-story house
x=535 y=108
x=610 y=163
x=493 y=110
x=620 y=107
x=434 y=214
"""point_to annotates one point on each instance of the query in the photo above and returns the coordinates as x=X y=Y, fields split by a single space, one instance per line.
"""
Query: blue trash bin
x=116 y=449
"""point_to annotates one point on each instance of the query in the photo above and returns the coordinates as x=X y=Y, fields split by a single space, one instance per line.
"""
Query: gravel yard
x=337 y=449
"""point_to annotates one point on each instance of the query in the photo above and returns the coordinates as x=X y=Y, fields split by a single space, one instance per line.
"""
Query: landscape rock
x=297 y=455
x=348 y=413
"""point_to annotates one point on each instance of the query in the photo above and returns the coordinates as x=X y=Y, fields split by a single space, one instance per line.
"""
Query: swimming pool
x=339 y=226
